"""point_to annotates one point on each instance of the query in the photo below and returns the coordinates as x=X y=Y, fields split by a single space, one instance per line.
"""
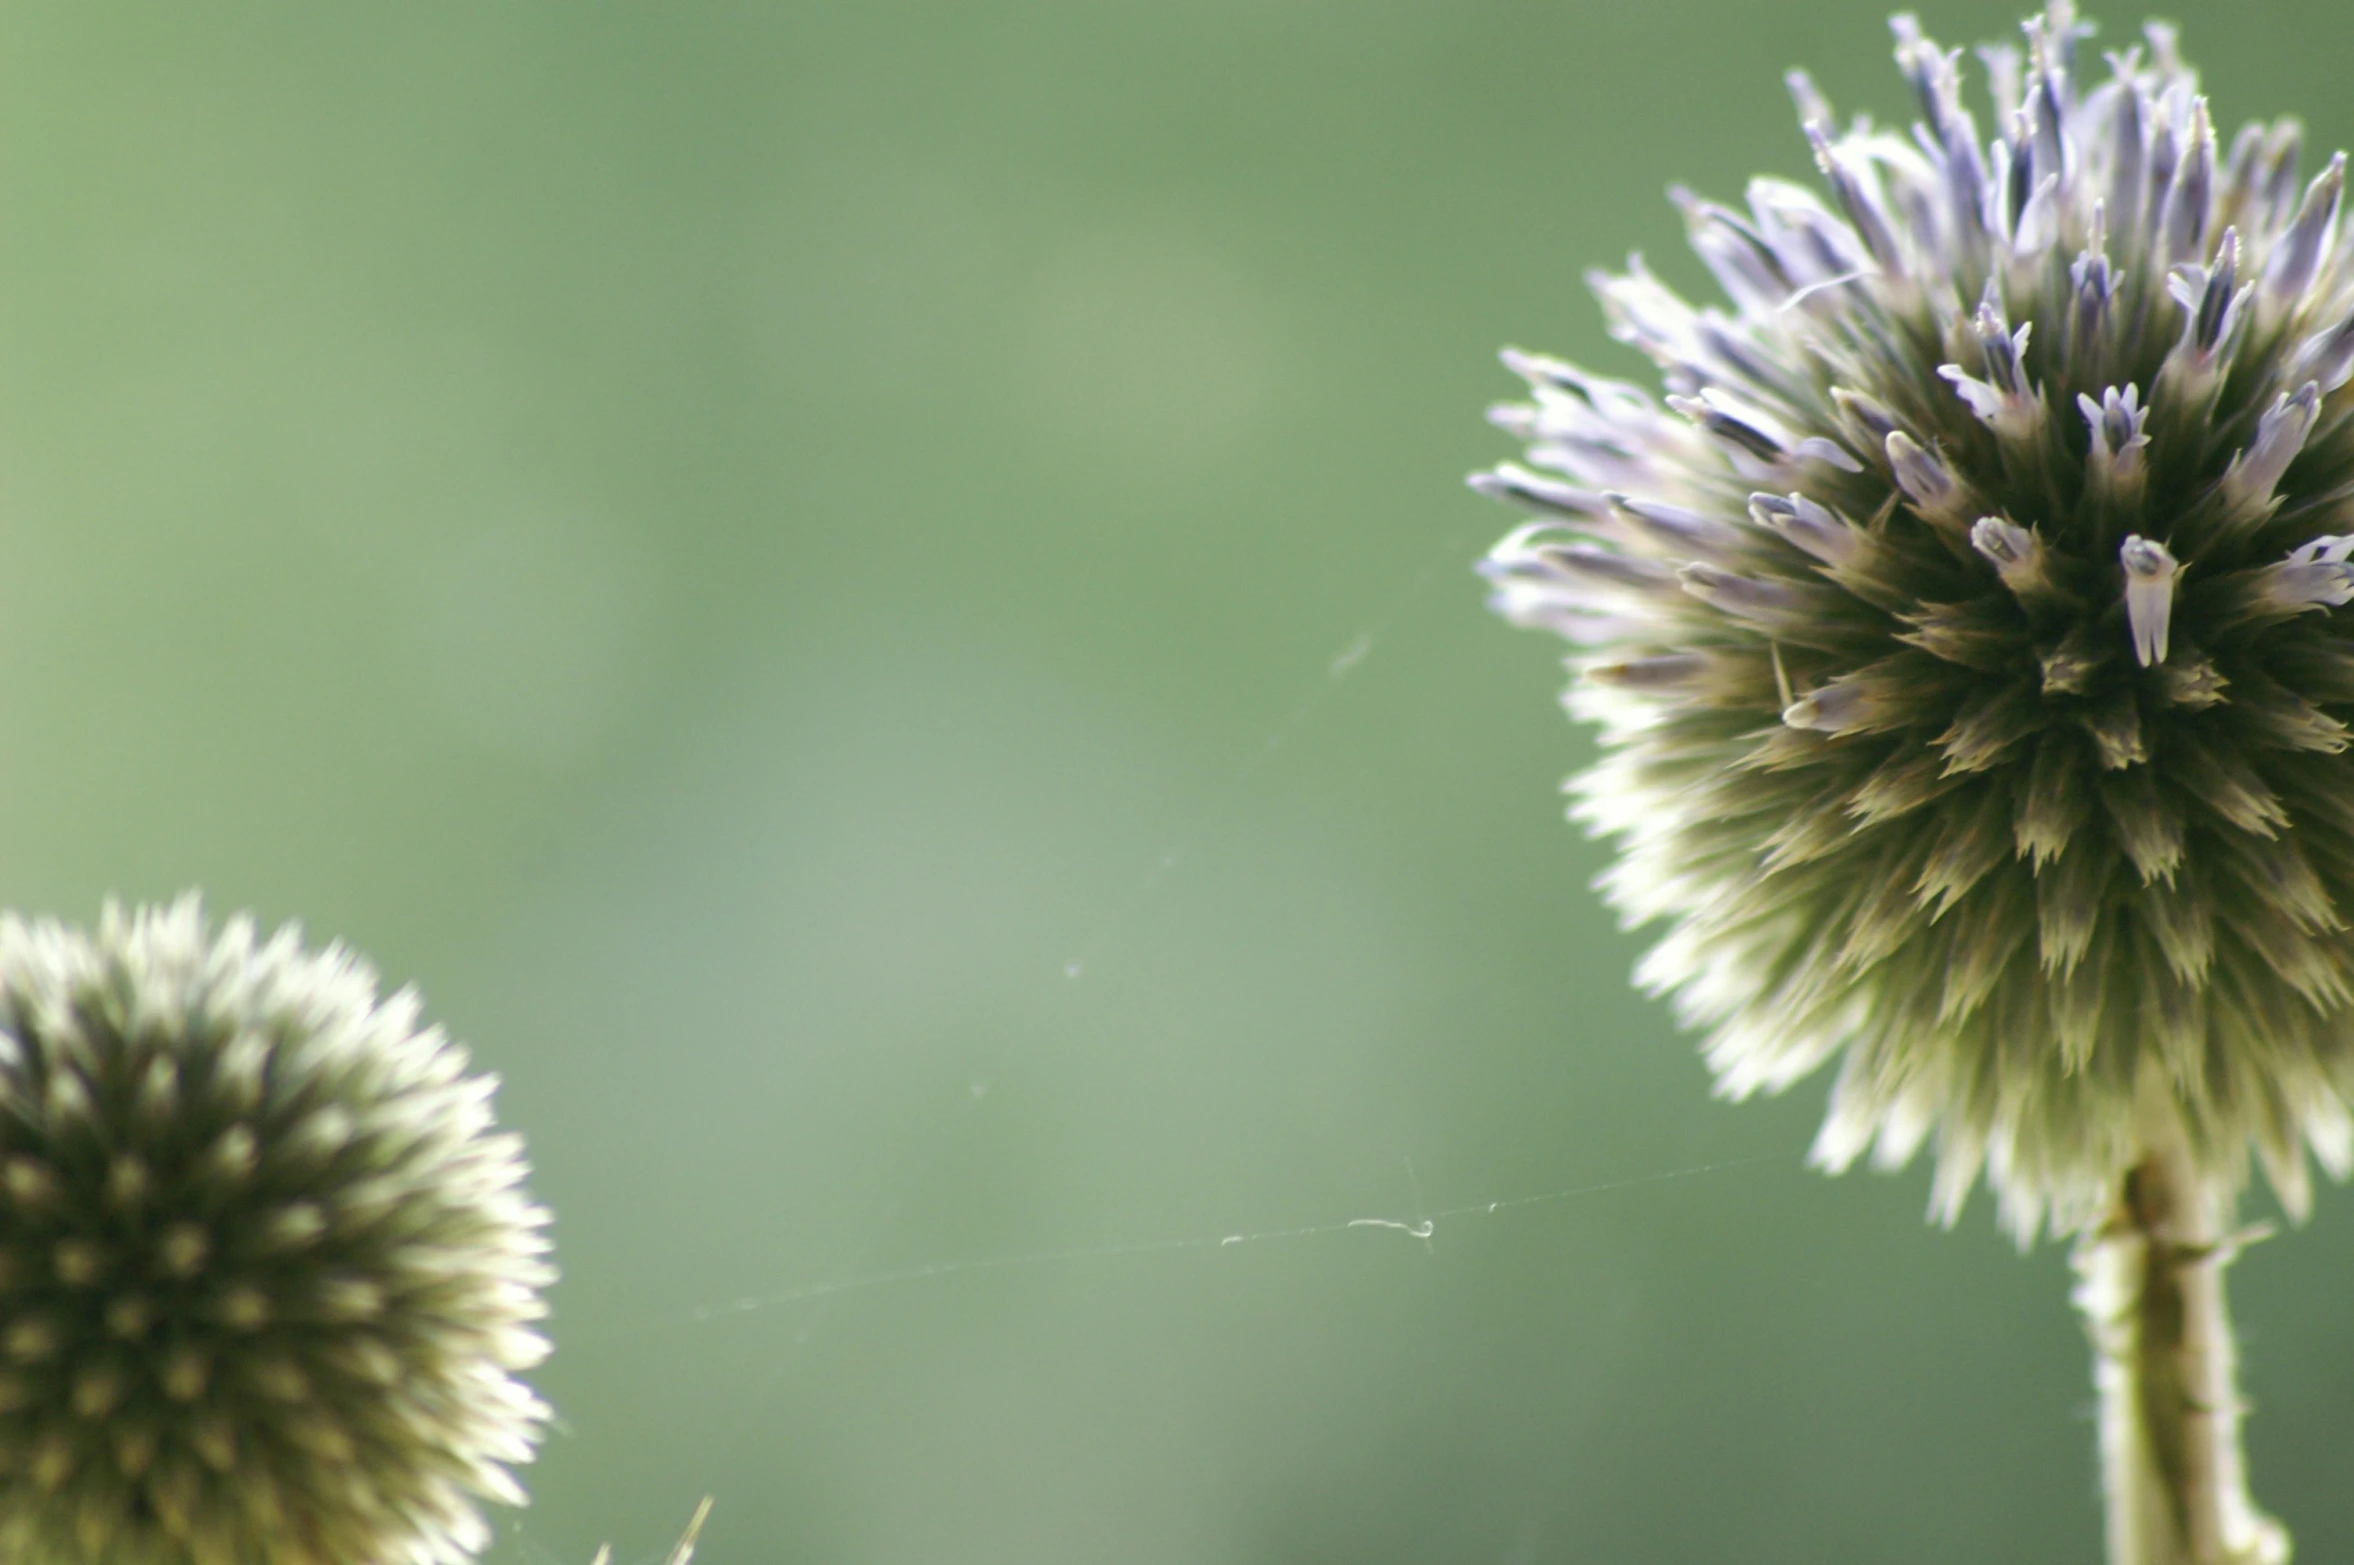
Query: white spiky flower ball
x=1962 y=627
x=266 y=1266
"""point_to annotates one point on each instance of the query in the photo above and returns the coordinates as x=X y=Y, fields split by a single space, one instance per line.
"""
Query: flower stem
x=2151 y=1292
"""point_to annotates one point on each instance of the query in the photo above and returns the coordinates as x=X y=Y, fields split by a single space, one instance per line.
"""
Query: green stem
x=2150 y=1286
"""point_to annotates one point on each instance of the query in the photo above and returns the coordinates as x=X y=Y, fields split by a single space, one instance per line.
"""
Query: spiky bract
x=265 y=1266
x=1961 y=628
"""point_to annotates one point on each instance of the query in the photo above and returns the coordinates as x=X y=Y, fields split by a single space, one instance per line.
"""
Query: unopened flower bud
x=224 y=1340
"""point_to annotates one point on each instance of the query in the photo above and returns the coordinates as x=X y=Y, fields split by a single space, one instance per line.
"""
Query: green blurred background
x=732 y=544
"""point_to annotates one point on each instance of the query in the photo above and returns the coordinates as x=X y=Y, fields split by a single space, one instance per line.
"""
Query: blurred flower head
x=265 y=1265
x=1962 y=625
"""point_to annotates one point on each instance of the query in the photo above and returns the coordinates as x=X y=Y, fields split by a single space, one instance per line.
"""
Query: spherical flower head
x=1963 y=626
x=265 y=1265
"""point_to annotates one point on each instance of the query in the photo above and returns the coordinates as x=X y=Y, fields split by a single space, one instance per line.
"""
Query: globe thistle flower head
x=265 y=1265
x=1963 y=626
